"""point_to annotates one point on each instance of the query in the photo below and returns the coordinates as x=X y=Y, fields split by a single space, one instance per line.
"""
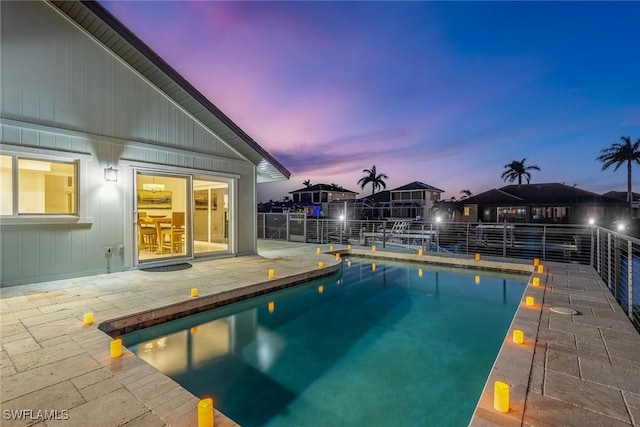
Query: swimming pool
x=395 y=343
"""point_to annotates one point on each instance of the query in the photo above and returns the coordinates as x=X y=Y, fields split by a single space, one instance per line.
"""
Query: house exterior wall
x=65 y=95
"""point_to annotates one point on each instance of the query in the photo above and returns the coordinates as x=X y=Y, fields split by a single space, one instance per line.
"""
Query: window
x=305 y=197
x=42 y=186
x=6 y=185
x=467 y=211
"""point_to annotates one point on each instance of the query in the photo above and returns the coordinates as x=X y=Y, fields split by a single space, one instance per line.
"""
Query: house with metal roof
x=553 y=203
x=109 y=159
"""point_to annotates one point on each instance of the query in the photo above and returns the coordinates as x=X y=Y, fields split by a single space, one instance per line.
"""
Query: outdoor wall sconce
x=111 y=174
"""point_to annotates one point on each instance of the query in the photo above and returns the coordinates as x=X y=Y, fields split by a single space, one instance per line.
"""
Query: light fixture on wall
x=111 y=174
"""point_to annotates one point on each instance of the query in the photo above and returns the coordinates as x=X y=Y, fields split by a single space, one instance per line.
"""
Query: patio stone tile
x=611 y=336
x=562 y=362
x=590 y=343
x=632 y=399
x=570 y=327
x=550 y=335
x=18 y=311
x=597 y=398
x=599 y=355
x=635 y=415
x=43 y=376
x=11 y=328
x=536 y=379
x=601 y=322
x=164 y=395
x=23 y=345
x=626 y=363
x=103 y=387
x=186 y=411
x=55 y=341
x=183 y=402
x=54 y=329
x=91 y=378
x=612 y=376
x=17 y=337
x=43 y=356
x=7 y=370
x=148 y=419
x=539 y=354
x=624 y=350
x=55 y=397
x=123 y=407
x=608 y=314
x=543 y=411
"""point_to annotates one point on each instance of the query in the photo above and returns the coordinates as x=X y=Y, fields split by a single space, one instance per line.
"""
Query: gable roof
x=417 y=185
x=538 y=194
x=621 y=195
x=323 y=187
x=493 y=196
x=381 y=196
x=114 y=35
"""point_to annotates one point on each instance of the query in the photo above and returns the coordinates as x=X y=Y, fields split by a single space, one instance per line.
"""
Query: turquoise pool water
x=404 y=345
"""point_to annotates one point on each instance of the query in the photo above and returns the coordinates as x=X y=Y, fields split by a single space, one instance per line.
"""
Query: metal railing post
x=591 y=250
x=630 y=279
x=599 y=259
x=609 y=262
x=384 y=234
x=467 y=251
x=618 y=271
x=504 y=240
x=287 y=219
x=430 y=235
x=305 y=228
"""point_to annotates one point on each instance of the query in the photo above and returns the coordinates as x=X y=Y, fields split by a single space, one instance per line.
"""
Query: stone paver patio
x=572 y=370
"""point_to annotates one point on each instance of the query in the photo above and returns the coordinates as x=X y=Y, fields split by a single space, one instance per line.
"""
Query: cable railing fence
x=614 y=256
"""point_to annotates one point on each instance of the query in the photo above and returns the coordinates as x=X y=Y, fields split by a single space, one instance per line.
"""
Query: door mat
x=163 y=268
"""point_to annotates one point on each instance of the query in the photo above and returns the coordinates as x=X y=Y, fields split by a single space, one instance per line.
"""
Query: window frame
x=80 y=162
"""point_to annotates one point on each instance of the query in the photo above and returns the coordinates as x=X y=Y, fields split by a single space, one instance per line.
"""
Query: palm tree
x=517 y=169
x=466 y=193
x=306 y=183
x=374 y=178
x=619 y=153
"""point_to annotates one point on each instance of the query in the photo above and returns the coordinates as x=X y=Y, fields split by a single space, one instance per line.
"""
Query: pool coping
x=143 y=319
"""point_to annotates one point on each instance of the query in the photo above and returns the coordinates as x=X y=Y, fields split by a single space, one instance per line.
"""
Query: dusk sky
x=445 y=93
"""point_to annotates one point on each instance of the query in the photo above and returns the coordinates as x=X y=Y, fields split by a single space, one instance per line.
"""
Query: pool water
x=396 y=344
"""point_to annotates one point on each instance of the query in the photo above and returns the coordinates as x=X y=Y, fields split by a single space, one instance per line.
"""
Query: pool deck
x=572 y=369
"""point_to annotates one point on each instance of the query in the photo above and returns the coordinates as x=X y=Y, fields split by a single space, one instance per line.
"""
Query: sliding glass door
x=211 y=216
x=163 y=216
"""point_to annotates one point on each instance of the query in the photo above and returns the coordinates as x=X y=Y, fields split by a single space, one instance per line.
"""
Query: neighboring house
x=539 y=203
x=622 y=196
x=419 y=193
x=315 y=198
x=111 y=160
x=413 y=200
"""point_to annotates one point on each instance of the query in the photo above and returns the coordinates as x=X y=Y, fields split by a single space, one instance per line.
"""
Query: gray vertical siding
x=62 y=91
